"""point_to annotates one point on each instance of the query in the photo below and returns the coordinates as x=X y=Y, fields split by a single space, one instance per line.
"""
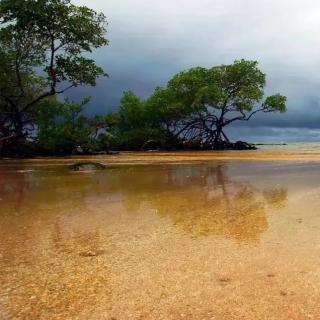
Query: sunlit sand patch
x=63 y=279
x=182 y=157
x=215 y=240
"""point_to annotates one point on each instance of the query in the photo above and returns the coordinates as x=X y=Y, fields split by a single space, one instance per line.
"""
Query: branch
x=41 y=97
x=45 y=95
x=244 y=117
x=65 y=89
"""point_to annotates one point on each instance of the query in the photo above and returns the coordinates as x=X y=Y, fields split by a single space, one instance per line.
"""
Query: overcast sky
x=152 y=40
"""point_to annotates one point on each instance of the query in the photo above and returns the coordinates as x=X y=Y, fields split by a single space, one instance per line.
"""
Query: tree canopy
x=196 y=105
x=44 y=46
x=202 y=102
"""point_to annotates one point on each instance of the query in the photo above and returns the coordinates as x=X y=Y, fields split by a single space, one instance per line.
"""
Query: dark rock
x=87 y=166
x=240 y=145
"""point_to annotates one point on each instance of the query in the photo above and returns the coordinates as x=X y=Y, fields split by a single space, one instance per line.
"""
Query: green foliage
x=61 y=127
x=164 y=107
x=195 y=106
x=184 y=87
x=237 y=86
x=276 y=102
x=192 y=109
x=44 y=48
x=132 y=112
x=135 y=125
x=201 y=102
x=31 y=28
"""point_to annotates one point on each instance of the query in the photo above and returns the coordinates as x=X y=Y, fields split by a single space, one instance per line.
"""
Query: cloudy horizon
x=151 y=41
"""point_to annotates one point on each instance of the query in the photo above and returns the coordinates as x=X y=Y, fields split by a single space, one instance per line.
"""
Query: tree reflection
x=200 y=200
x=55 y=224
x=276 y=197
x=205 y=200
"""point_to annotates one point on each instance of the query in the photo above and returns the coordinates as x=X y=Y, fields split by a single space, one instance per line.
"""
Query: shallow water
x=210 y=240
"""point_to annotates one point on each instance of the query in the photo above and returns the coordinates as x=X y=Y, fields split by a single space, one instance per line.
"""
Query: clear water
x=205 y=240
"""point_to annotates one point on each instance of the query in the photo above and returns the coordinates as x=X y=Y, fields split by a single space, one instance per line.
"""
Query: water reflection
x=62 y=232
x=276 y=197
x=128 y=242
x=200 y=200
x=205 y=200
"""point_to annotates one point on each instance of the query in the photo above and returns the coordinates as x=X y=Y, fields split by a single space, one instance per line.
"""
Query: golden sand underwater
x=224 y=235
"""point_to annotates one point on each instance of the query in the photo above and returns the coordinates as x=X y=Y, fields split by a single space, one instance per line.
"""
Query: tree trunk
x=217 y=139
x=5 y=141
x=225 y=137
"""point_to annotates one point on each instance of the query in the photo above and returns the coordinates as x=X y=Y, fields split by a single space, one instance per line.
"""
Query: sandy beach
x=306 y=152
x=181 y=236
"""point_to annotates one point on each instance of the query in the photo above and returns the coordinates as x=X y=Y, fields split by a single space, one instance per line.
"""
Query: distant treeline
x=43 y=53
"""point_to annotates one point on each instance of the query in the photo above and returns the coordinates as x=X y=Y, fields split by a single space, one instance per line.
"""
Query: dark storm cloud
x=152 y=40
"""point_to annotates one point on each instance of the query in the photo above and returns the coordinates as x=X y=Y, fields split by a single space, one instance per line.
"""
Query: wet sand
x=125 y=158
x=184 y=236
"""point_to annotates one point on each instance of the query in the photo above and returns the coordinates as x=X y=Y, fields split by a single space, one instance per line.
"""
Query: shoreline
x=127 y=158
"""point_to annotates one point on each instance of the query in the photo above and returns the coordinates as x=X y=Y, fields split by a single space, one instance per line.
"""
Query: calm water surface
x=212 y=240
